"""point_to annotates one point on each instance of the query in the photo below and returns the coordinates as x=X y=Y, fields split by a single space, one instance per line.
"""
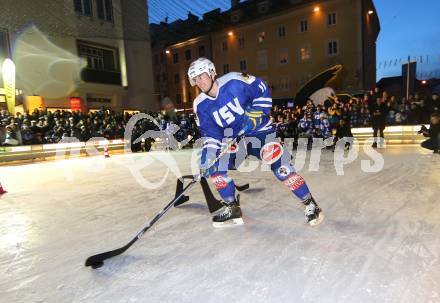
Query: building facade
x=286 y=42
x=80 y=54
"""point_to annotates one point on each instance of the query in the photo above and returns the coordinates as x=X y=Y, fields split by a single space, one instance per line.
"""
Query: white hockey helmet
x=200 y=66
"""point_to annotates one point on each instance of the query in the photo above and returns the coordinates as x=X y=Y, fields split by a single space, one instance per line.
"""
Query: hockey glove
x=253 y=119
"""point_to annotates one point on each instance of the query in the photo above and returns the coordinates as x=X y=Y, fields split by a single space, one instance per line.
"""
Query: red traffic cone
x=106 y=154
x=2 y=191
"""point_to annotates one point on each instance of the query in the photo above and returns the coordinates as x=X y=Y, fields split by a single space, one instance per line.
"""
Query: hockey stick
x=213 y=203
x=242 y=187
x=97 y=261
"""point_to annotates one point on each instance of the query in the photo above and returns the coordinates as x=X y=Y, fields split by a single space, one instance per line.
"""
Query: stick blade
x=242 y=187
x=97 y=261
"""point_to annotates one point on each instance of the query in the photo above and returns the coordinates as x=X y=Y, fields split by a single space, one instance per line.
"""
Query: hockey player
x=228 y=105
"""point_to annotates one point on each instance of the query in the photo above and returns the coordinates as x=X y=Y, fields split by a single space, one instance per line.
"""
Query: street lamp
x=316 y=9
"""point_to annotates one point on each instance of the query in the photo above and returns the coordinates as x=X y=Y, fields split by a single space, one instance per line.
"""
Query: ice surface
x=378 y=243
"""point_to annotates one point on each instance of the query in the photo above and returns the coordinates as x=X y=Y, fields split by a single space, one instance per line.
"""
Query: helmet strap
x=210 y=87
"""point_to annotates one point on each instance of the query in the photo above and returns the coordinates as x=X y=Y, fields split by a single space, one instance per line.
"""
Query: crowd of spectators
x=42 y=127
x=375 y=108
x=310 y=120
x=45 y=127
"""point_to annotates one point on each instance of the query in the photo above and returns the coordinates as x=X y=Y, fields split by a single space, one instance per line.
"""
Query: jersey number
x=226 y=114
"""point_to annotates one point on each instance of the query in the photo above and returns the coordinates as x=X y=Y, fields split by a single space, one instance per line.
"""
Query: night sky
x=408 y=28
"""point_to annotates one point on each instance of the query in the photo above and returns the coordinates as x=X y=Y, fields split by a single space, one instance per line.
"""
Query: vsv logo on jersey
x=226 y=114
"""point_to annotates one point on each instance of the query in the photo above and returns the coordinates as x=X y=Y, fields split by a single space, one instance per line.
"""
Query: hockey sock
x=296 y=183
x=225 y=186
x=298 y=186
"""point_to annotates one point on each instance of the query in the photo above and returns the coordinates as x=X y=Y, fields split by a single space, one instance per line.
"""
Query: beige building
x=286 y=42
x=80 y=53
x=171 y=68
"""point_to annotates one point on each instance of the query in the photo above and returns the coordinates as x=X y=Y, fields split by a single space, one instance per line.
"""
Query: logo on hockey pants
x=283 y=171
x=220 y=182
x=271 y=152
x=294 y=182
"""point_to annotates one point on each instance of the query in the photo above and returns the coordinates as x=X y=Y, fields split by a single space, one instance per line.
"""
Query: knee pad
x=271 y=152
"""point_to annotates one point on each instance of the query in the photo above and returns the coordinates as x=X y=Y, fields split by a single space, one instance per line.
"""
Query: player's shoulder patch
x=243 y=77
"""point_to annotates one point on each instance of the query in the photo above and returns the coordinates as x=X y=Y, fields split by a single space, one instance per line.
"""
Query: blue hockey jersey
x=237 y=93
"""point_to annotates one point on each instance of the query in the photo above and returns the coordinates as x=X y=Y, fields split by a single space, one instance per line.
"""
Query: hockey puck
x=97 y=264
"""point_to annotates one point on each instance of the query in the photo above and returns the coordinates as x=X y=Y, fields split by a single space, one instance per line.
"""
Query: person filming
x=433 y=133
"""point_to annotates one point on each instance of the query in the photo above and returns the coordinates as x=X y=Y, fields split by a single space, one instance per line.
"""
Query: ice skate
x=228 y=215
x=313 y=212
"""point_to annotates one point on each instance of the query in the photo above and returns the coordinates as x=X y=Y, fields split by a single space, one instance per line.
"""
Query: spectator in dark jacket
x=344 y=130
x=432 y=105
x=433 y=143
x=378 y=114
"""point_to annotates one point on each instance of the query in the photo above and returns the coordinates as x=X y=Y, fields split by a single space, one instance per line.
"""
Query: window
x=284 y=84
x=283 y=56
x=164 y=76
x=83 y=7
x=99 y=58
x=188 y=54
x=305 y=53
x=263 y=7
x=99 y=99
x=225 y=68
x=104 y=9
x=178 y=98
x=332 y=48
x=201 y=51
x=262 y=59
x=261 y=37
x=162 y=58
x=304 y=26
x=281 y=31
x=77 y=5
x=176 y=79
x=156 y=59
x=331 y=20
x=175 y=58
x=4 y=44
x=224 y=45
x=235 y=16
x=189 y=98
x=241 y=42
x=243 y=65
